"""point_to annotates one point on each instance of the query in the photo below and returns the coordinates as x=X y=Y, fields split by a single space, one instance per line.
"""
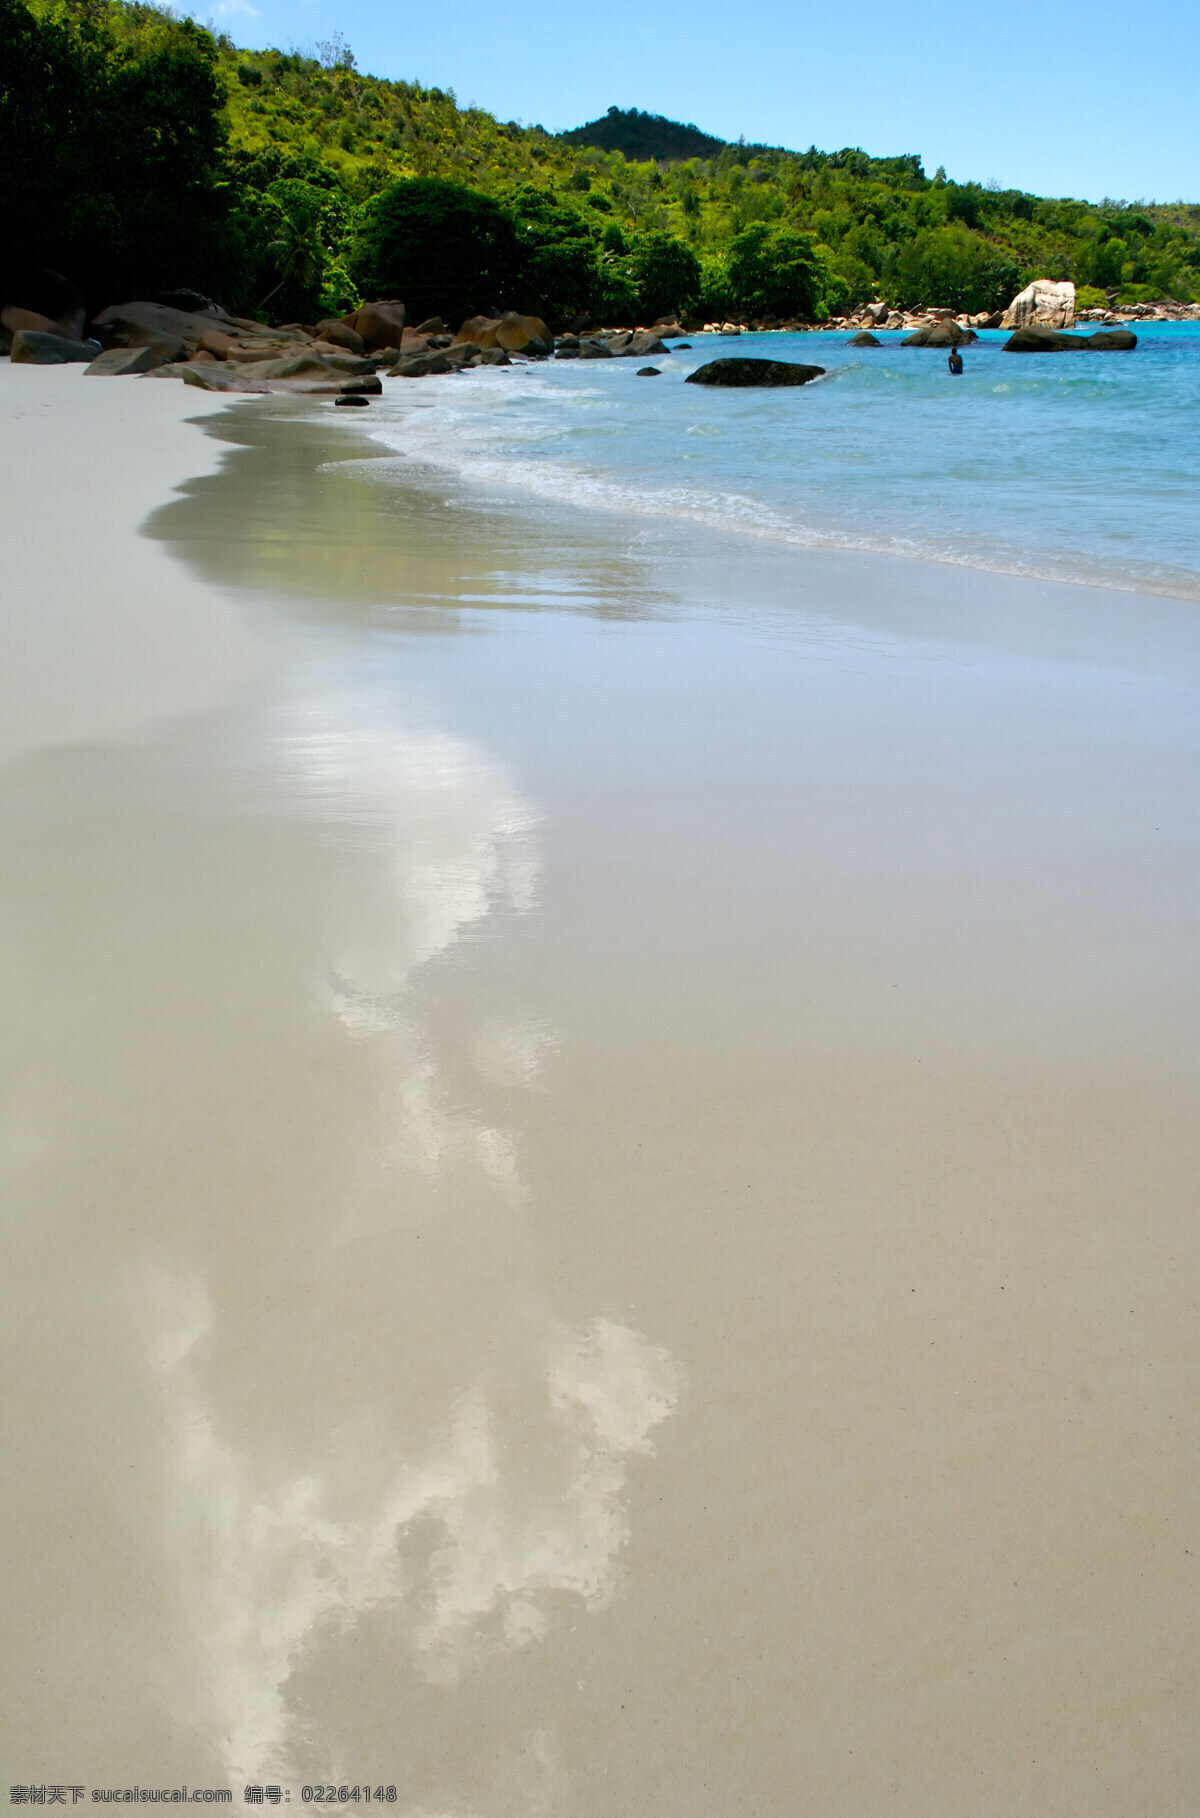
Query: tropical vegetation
x=141 y=152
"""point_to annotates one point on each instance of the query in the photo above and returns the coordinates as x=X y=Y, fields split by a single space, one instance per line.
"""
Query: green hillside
x=140 y=152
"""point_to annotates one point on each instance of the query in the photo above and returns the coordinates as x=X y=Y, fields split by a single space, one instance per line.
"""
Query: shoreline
x=538 y=1012
x=445 y=429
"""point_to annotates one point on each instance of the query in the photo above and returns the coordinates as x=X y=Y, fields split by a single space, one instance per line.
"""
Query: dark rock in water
x=32 y=348
x=494 y=356
x=566 y=353
x=940 y=334
x=1042 y=340
x=1053 y=340
x=1113 y=340
x=352 y=399
x=595 y=350
x=754 y=372
x=421 y=366
x=644 y=342
x=863 y=339
x=648 y=372
x=683 y=347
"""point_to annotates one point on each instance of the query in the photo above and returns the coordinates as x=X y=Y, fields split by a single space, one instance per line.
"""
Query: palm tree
x=297 y=248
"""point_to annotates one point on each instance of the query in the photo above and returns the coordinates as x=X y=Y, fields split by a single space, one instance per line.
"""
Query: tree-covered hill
x=141 y=153
x=640 y=136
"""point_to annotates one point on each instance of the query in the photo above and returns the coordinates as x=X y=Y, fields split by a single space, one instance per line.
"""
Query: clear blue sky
x=1095 y=101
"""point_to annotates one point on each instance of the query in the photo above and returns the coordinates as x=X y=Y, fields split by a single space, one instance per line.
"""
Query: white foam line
x=741 y=516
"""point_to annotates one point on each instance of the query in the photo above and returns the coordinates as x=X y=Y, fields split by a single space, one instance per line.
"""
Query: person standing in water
x=955 y=362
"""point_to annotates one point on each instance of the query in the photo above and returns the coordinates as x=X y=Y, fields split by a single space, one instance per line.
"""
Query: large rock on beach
x=737 y=372
x=338 y=334
x=379 y=324
x=1052 y=340
x=141 y=324
x=216 y=342
x=596 y=350
x=211 y=375
x=127 y=362
x=1042 y=304
x=14 y=318
x=513 y=332
x=31 y=347
x=312 y=366
x=476 y=328
x=521 y=334
x=421 y=366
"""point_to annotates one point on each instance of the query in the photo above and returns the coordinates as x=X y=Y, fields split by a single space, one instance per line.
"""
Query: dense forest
x=141 y=153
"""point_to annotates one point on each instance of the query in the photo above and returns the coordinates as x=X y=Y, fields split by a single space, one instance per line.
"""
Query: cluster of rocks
x=188 y=336
x=612 y=344
x=185 y=335
x=1166 y=310
x=1039 y=317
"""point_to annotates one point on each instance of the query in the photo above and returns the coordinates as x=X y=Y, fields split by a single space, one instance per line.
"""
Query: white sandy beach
x=101 y=632
x=602 y=1177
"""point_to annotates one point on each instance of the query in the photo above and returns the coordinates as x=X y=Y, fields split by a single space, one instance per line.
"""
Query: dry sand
x=602 y=1201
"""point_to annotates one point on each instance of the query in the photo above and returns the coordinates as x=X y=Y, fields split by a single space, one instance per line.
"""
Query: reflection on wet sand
x=344 y=530
x=344 y=1388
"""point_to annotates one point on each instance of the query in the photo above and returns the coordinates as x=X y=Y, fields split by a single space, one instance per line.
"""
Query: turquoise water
x=1081 y=467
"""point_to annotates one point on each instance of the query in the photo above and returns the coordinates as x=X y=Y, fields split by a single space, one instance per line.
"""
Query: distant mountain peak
x=641 y=136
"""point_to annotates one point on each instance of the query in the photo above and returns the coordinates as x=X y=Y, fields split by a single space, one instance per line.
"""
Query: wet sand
x=600 y=1148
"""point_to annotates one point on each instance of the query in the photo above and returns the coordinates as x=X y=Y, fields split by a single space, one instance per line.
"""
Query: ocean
x=1071 y=468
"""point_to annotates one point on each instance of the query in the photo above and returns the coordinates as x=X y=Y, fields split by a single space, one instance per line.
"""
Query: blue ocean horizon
x=1077 y=466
